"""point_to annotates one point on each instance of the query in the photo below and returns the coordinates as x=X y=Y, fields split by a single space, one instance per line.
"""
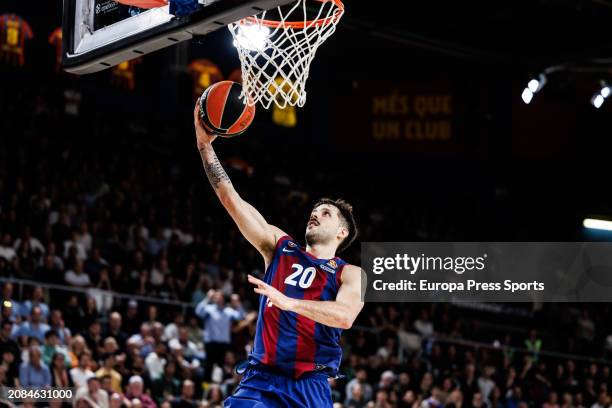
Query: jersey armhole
x=339 y=275
x=281 y=241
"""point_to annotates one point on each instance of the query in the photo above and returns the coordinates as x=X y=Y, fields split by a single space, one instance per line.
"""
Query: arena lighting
x=597 y=224
x=533 y=87
x=253 y=37
x=600 y=96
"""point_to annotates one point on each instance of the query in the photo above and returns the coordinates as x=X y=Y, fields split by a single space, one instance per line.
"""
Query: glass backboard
x=99 y=34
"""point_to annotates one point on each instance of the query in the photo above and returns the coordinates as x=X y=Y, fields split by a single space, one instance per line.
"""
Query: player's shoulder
x=283 y=239
x=351 y=272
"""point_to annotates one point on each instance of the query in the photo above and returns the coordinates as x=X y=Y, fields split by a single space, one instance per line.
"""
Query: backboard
x=98 y=34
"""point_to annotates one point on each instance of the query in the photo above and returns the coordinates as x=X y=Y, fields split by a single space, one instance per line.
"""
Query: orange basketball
x=223 y=111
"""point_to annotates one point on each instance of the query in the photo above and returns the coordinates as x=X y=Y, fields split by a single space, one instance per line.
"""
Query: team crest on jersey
x=291 y=244
x=332 y=263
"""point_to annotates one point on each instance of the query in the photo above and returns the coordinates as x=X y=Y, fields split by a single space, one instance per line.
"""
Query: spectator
x=486 y=383
x=6 y=249
x=478 y=401
x=356 y=398
x=49 y=271
x=115 y=331
x=82 y=372
x=33 y=243
x=37 y=300
x=8 y=301
x=90 y=311
x=75 y=244
x=117 y=401
x=586 y=327
x=434 y=400
x=214 y=396
x=171 y=331
x=51 y=347
x=92 y=393
x=35 y=327
x=551 y=402
x=186 y=400
x=190 y=350
x=93 y=338
x=9 y=369
x=73 y=314
x=156 y=361
x=603 y=400
x=132 y=322
x=77 y=347
x=217 y=328
x=59 y=374
x=423 y=325
x=108 y=369
x=106 y=383
x=34 y=373
x=365 y=389
x=533 y=344
x=166 y=386
x=58 y=326
x=135 y=391
x=77 y=277
x=7 y=344
x=469 y=384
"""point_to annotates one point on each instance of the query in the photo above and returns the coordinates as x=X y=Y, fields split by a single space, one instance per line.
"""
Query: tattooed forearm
x=214 y=170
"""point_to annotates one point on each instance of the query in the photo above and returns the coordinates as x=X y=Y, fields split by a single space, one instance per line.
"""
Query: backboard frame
x=92 y=56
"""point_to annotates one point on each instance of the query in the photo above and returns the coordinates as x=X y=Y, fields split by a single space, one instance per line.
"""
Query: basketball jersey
x=14 y=31
x=291 y=343
x=204 y=73
x=55 y=39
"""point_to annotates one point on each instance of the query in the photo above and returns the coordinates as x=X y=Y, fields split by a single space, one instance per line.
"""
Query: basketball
x=223 y=112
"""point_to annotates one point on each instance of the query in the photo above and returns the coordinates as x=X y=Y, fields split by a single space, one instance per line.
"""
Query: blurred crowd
x=129 y=284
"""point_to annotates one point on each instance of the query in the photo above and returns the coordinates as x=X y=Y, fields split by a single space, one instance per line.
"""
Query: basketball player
x=308 y=295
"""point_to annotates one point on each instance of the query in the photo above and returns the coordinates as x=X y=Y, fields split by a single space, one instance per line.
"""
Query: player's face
x=324 y=225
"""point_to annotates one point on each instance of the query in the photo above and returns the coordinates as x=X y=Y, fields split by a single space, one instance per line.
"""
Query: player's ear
x=343 y=232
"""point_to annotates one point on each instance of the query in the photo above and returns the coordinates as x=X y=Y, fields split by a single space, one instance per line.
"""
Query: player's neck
x=321 y=251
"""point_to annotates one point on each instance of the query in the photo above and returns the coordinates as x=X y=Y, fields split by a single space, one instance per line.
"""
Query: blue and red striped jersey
x=14 y=31
x=291 y=343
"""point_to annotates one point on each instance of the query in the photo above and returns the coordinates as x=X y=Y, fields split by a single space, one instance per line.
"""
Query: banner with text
x=382 y=116
x=487 y=271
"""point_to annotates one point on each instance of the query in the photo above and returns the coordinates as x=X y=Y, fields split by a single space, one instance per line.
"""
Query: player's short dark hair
x=346 y=216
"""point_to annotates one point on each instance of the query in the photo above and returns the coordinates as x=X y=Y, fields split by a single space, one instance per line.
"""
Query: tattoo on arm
x=214 y=170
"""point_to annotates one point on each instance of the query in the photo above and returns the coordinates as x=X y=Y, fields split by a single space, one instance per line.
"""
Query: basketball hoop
x=277 y=47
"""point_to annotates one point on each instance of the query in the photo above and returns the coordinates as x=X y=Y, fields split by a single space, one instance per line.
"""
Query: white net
x=277 y=47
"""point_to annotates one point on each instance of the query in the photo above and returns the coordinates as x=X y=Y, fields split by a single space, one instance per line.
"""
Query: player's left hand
x=202 y=136
x=275 y=297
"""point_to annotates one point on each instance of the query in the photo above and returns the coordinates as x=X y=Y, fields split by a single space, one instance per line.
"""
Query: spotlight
x=534 y=86
x=253 y=37
x=597 y=100
x=527 y=95
x=599 y=97
x=598 y=224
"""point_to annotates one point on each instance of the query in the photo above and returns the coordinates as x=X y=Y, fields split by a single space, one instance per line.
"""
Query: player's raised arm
x=251 y=223
x=340 y=313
